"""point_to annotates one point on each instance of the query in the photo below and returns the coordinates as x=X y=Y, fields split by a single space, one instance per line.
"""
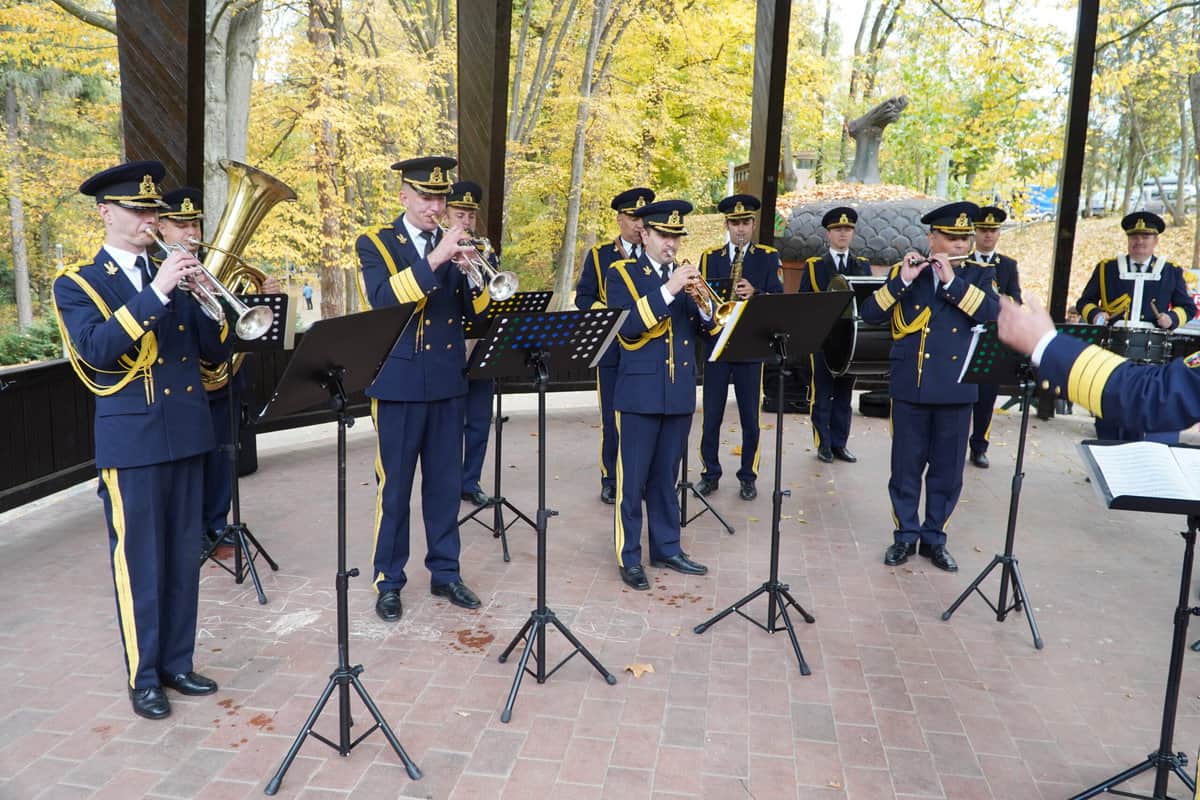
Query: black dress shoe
x=150 y=703
x=942 y=559
x=707 y=486
x=748 y=491
x=898 y=553
x=457 y=593
x=825 y=454
x=842 y=454
x=980 y=460
x=193 y=684
x=681 y=563
x=635 y=577
x=388 y=605
x=476 y=497
x=608 y=495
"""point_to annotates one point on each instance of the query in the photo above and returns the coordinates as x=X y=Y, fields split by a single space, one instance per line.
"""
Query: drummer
x=1137 y=290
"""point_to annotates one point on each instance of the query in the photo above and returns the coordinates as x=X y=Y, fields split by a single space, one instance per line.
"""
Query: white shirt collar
x=127 y=261
x=987 y=256
x=836 y=253
x=628 y=247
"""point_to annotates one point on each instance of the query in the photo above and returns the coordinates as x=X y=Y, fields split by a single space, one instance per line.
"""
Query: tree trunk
x=564 y=278
x=325 y=164
x=790 y=178
x=1194 y=102
x=16 y=210
x=230 y=53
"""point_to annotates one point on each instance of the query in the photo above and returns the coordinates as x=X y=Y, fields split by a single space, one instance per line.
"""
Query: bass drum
x=854 y=347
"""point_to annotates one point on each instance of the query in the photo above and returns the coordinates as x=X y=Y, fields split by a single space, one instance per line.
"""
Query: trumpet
x=702 y=293
x=251 y=323
x=478 y=269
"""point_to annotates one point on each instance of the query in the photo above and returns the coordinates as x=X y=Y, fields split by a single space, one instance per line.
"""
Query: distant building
x=805 y=162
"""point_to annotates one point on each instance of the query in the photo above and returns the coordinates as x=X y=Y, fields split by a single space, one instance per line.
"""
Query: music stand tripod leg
x=778 y=596
x=684 y=486
x=344 y=675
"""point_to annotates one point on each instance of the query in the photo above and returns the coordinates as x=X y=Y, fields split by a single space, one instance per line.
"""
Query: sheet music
x=1149 y=469
x=727 y=331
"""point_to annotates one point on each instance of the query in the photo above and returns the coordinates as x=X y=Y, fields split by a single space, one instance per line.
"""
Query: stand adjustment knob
x=352 y=572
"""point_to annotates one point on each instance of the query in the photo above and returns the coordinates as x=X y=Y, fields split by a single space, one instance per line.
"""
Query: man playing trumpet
x=136 y=343
x=655 y=394
x=418 y=397
x=931 y=303
x=753 y=269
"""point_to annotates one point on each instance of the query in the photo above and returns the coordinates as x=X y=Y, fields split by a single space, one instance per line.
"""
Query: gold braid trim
x=653 y=329
x=900 y=329
x=137 y=367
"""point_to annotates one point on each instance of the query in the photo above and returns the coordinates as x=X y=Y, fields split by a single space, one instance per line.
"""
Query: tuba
x=251 y=194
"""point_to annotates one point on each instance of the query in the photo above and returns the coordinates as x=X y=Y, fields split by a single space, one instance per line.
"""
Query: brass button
x=954 y=358
x=161 y=361
x=927 y=355
x=1046 y=385
x=449 y=346
x=182 y=328
x=954 y=330
x=145 y=323
x=167 y=391
x=1057 y=391
x=183 y=358
x=152 y=317
x=685 y=342
x=918 y=306
x=685 y=363
x=428 y=347
x=189 y=388
x=428 y=322
x=450 y=321
x=927 y=330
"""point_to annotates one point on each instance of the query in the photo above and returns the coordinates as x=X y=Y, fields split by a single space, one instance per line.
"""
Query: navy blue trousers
x=153 y=516
x=829 y=404
x=651 y=450
x=747 y=389
x=475 y=431
x=606 y=383
x=218 y=476
x=431 y=432
x=929 y=443
x=981 y=417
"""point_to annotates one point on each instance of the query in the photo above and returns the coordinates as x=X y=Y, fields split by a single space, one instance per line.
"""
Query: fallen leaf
x=463 y=713
x=834 y=784
x=639 y=670
x=753 y=519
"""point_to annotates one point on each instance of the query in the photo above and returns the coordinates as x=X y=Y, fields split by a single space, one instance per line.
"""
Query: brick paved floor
x=900 y=704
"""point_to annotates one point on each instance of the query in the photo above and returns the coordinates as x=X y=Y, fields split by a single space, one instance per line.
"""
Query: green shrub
x=39 y=342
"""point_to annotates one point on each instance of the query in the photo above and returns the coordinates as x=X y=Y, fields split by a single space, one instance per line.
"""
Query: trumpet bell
x=502 y=286
x=254 y=323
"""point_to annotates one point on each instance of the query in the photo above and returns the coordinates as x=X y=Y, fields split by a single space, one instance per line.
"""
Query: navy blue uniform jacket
x=1110 y=289
x=428 y=362
x=657 y=371
x=820 y=269
x=931 y=330
x=120 y=335
x=589 y=291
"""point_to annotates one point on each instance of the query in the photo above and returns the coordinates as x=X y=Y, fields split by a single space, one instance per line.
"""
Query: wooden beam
x=766 y=116
x=160 y=50
x=484 y=32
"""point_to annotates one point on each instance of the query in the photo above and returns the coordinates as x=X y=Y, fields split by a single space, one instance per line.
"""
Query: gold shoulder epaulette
x=812 y=259
x=895 y=270
x=766 y=248
x=73 y=267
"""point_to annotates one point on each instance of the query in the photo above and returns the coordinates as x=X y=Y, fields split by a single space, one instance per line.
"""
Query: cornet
x=251 y=322
x=475 y=265
x=702 y=293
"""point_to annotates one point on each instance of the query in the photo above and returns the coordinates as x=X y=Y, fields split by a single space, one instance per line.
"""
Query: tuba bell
x=251 y=194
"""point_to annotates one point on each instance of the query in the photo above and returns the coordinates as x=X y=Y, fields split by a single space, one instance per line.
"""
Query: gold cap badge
x=674 y=219
x=963 y=221
x=147 y=186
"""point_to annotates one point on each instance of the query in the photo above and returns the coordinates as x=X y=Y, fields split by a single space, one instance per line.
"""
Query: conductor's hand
x=1021 y=327
x=178 y=266
x=912 y=265
x=681 y=276
x=743 y=289
x=450 y=248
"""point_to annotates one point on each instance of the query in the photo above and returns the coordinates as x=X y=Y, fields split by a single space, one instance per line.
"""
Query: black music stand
x=1162 y=760
x=521 y=302
x=990 y=361
x=775 y=326
x=246 y=548
x=336 y=358
x=526 y=344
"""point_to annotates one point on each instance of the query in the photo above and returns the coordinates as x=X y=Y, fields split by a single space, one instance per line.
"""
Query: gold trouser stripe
x=972 y=299
x=600 y=405
x=1089 y=374
x=131 y=326
x=987 y=434
x=618 y=527
x=120 y=563
x=380 y=480
x=812 y=398
x=758 y=411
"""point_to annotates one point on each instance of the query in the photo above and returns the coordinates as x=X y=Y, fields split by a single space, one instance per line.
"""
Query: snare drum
x=1143 y=342
x=1183 y=342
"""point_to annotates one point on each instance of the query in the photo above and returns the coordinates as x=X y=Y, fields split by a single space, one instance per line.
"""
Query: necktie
x=664 y=273
x=428 y=237
x=841 y=263
x=144 y=270
x=637 y=252
x=1138 y=266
